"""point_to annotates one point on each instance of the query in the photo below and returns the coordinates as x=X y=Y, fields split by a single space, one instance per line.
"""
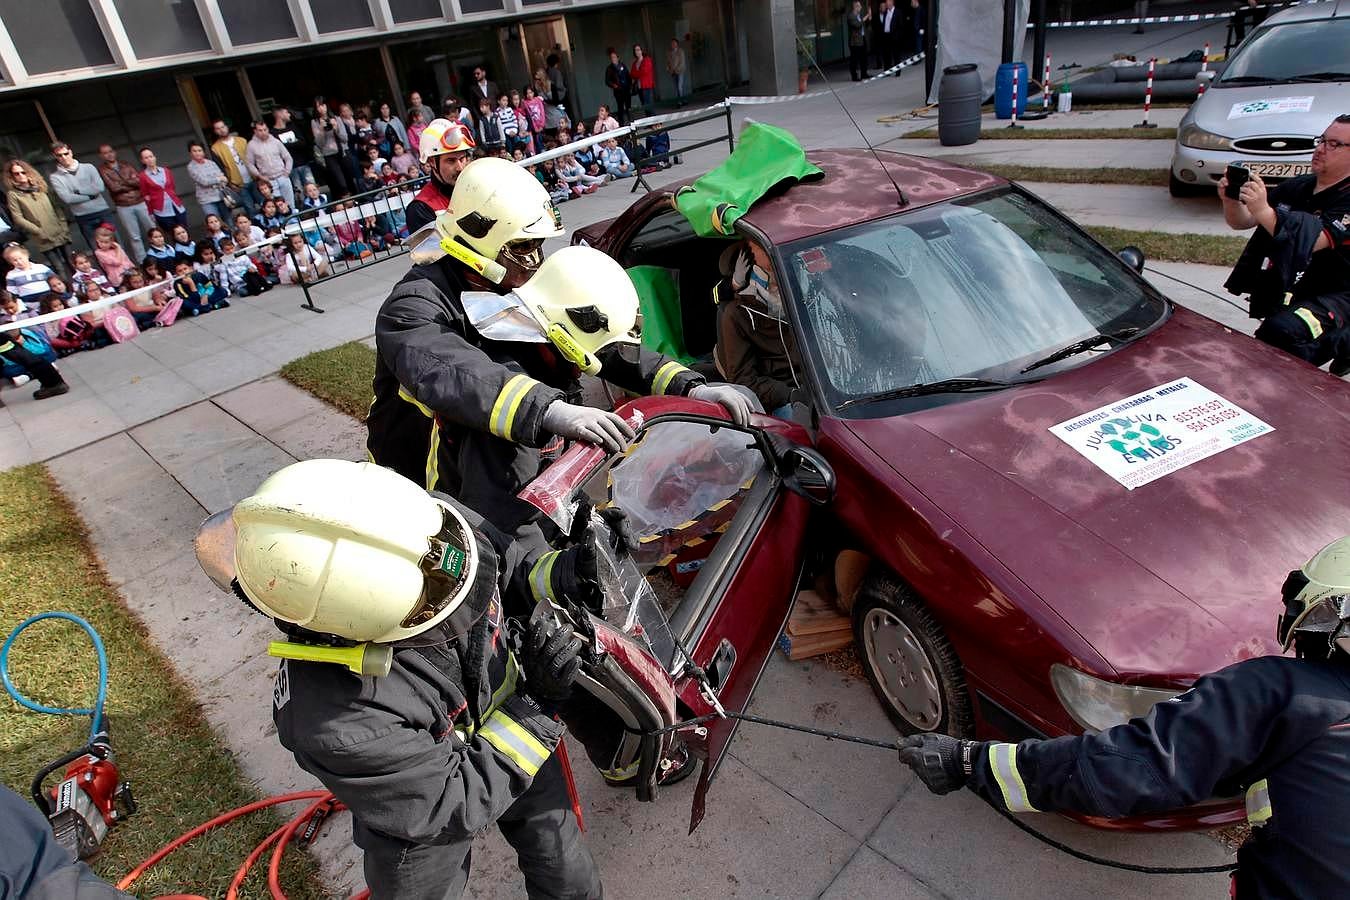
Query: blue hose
x=96 y=713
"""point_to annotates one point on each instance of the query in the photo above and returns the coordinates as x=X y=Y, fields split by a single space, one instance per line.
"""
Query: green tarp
x=765 y=157
x=658 y=291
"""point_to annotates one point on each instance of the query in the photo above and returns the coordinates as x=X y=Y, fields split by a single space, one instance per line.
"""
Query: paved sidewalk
x=1069 y=154
x=1134 y=206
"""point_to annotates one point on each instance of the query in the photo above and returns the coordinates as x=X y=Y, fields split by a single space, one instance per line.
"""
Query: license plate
x=1277 y=170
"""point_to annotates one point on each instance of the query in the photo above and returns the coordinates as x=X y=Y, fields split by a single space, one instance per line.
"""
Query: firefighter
x=464 y=399
x=457 y=734
x=1276 y=728
x=445 y=148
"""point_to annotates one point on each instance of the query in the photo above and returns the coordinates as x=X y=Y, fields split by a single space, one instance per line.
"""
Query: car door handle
x=720 y=666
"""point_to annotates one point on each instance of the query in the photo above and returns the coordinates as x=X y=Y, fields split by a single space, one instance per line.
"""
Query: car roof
x=856 y=189
x=1337 y=9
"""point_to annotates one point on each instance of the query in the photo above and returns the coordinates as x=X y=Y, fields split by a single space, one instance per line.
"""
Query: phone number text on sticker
x=1145 y=437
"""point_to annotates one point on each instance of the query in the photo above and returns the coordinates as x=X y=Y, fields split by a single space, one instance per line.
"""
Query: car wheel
x=1178 y=188
x=909 y=661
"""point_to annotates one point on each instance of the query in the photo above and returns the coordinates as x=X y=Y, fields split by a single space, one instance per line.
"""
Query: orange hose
x=242 y=872
x=274 y=868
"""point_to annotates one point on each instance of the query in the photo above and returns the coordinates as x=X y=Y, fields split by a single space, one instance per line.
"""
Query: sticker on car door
x=1271 y=106
x=1154 y=433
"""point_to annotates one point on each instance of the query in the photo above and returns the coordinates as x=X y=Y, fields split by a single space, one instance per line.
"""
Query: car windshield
x=1314 y=50
x=976 y=290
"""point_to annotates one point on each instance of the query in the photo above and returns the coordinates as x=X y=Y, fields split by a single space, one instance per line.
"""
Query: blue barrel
x=1003 y=89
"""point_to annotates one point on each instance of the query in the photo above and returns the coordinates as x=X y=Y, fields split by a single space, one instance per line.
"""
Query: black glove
x=575 y=576
x=622 y=536
x=551 y=659
x=942 y=762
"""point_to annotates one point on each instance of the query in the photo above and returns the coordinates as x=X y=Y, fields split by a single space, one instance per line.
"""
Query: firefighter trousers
x=541 y=827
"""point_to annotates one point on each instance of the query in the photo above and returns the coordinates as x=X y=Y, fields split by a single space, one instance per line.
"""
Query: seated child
x=215 y=230
x=158 y=248
x=351 y=236
x=111 y=258
x=313 y=199
x=26 y=279
x=143 y=307
x=303 y=263
x=198 y=293
x=244 y=277
x=252 y=233
x=184 y=247
x=86 y=273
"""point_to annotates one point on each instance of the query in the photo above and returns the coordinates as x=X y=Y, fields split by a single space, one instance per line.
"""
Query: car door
x=689 y=481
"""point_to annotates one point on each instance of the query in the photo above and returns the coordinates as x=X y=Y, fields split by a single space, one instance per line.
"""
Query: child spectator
x=244 y=277
x=490 y=139
x=387 y=174
x=351 y=236
x=558 y=191
x=526 y=134
x=12 y=309
x=25 y=279
x=112 y=259
x=377 y=232
x=276 y=254
x=375 y=158
x=198 y=293
x=252 y=233
x=208 y=263
x=507 y=122
x=86 y=273
x=144 y=308
x=534 y=111
x=303 y=263
x=68 y=335
x=575 y=176
x=589 y=160
x=367 y=181
x=415 y=128
x=184 y=247
x=159 y=249
x=215 y=230
x=154 y=272
x=615 y=161
x=604 y=121
x=57 y=285
x=313 y=199
x=284 y=210
x=404 y=163
x=517 y=155
x=267 y=217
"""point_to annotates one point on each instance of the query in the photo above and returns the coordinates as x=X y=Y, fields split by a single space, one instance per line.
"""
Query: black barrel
x=959 y=97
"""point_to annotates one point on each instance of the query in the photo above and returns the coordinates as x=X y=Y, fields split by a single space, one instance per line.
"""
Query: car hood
x=1215 y=111
x=1182 y=575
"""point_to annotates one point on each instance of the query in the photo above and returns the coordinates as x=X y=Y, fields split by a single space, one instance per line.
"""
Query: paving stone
x=183 y=343
x=871 y=876
x=328 y=434
x=63 y=426
x=152 y=396
x=269 y=403
x=190 y=435
x=225 y=370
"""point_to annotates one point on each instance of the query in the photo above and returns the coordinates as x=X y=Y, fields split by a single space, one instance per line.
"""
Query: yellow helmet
x=502 y=213
x=584 y=301
x=358 y=551
x=442 y=136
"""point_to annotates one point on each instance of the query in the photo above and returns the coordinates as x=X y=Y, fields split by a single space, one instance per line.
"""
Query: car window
x=1292 y=51
x=977 y=287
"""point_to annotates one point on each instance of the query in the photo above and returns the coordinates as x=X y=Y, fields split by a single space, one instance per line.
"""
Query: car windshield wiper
x=945 y=386
x=1251 y=79
x=1324 y=76
x=1082 y=346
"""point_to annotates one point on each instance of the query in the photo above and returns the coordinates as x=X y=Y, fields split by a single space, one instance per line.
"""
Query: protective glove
x=942 y=762
x=551 y=659
x=575 y=576
x=588 y=424
x=622 y=536
x=726 y=396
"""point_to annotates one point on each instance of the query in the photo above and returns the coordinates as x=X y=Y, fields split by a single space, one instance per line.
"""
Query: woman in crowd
x=348 y=159
x=389 y=128
x=31 y=208
x=207 y=178
x=161 y=196
x=620 y=82
x=644 y=78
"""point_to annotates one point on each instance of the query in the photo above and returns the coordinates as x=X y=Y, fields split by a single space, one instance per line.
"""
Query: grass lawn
x=340 y=377
x=181 y=773
x=1069 y=175
x=1211 y=249
x=1059 y=134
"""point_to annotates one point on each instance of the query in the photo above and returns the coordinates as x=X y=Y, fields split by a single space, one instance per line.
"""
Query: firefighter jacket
x=430 y=200
x=1282 y=270
x=460 y=413
x=440 y=747
x=1275 y=728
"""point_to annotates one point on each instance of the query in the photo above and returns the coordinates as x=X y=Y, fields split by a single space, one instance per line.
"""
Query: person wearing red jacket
x=161 y=197
x=644 y=77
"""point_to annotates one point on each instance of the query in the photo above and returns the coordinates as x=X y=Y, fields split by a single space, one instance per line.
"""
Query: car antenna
x=811 y=57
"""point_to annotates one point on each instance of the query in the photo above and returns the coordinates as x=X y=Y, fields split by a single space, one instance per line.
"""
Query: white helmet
x=1317 y=602
x=358 y=551
x=443 y=136
x=584 y=301
x=502 y=213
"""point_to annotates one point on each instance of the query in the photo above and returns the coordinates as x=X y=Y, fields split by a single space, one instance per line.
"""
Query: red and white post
x=1013 y=123
x=1204 y=67
x=1148 y=95
x=1045 y=86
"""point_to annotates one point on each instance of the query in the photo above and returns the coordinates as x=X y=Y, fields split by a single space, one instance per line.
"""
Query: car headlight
x=1194 y=136
x=1096 y=704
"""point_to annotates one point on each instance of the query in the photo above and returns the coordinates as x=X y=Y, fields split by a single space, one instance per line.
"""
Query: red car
x=1075 y=496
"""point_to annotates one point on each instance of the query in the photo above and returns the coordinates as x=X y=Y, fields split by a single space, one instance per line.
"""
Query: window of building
x=162 y=27
x=341 y=15
x=257 y=21
x=479 y=6
x=415 y=10
x=55 y=35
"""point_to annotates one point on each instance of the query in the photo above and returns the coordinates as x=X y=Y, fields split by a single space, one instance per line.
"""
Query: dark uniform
x=13 y=350
x=439 y=749
x=459 y=413
x=1275 y=728
x=33 y=866
x=1302 y=297
x=430 y=200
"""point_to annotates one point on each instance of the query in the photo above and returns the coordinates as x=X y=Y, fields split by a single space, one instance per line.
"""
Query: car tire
x=1178 y=188
x=912 y=667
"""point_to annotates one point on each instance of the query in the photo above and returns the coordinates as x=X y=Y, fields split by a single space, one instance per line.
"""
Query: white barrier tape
x=1165 y=20
x=760 y=101
x=622 y=131
x=375 y=207
x=82 y=308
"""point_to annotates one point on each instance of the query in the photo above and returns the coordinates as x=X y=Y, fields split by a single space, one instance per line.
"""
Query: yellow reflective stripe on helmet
x=1003 y=762
x=665 y=375
x=541 y=574
x=1310 y=320
x=503 y=416
x=515 y=743
x=1258 y=803
x=433 y=455
x=425 y=410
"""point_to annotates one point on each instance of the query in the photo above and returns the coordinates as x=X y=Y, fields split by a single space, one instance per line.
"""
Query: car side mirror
x=806 y=473
x=1133 y=257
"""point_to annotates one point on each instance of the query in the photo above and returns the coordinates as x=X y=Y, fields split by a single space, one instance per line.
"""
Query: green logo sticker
x=1137 y=439
x=452 y=561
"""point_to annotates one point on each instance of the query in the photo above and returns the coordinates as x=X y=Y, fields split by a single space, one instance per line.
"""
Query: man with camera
x=1296 y=267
